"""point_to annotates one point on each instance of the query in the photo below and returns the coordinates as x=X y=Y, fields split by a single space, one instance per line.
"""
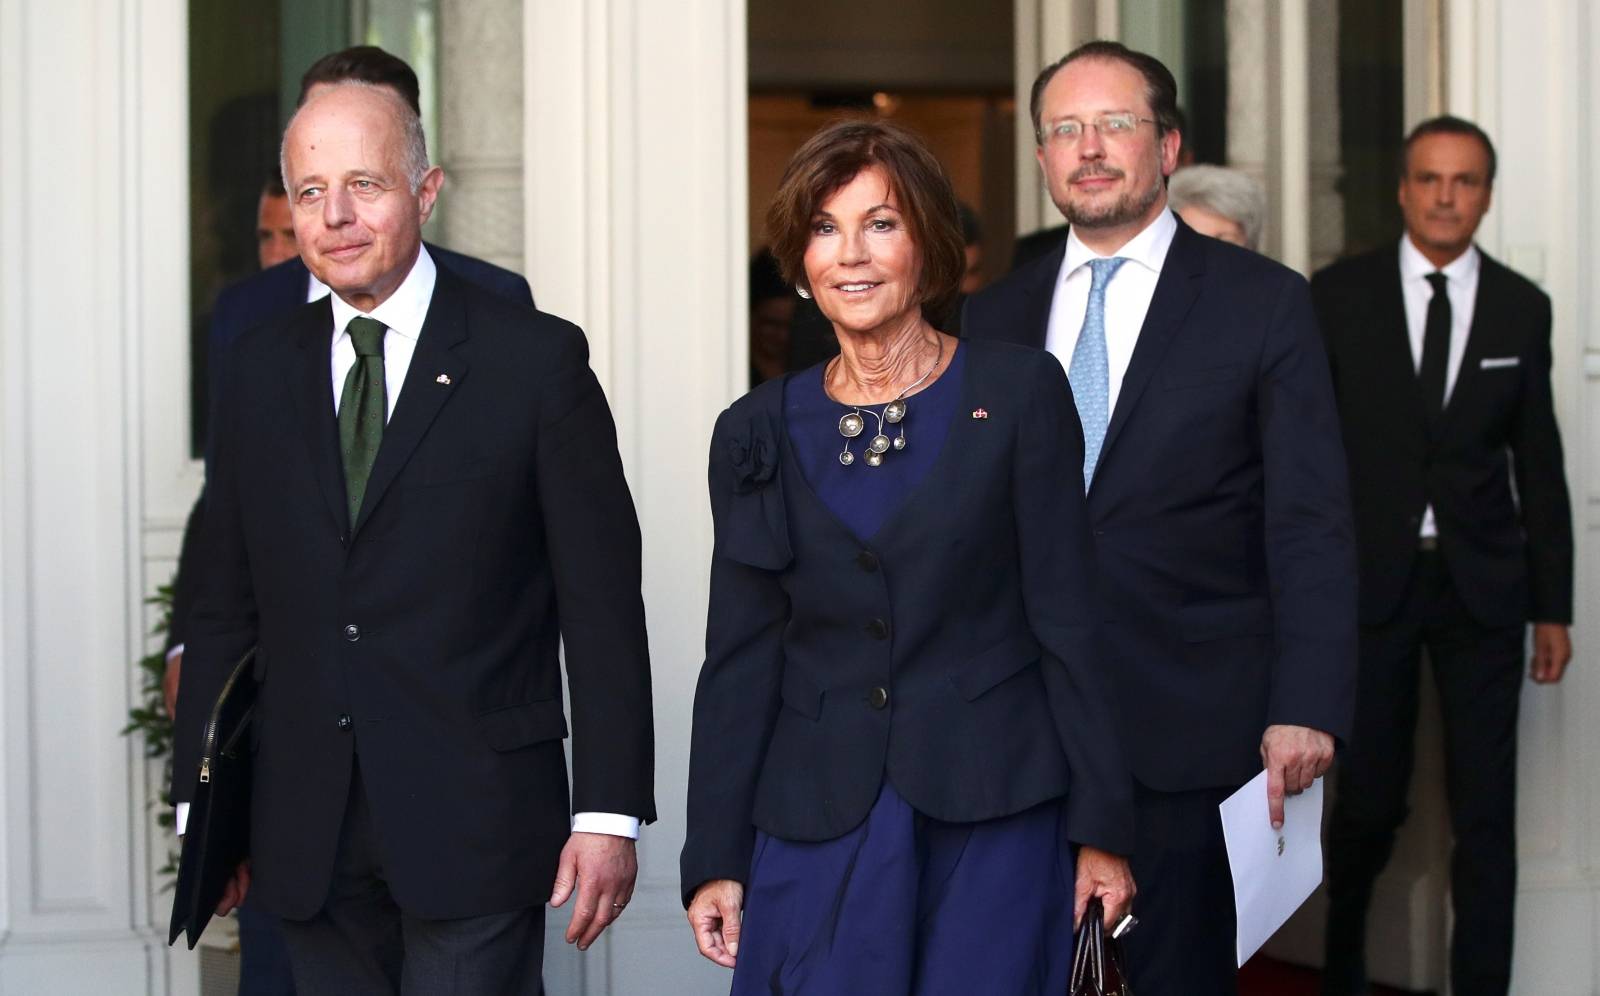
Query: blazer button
x=344 y=721
x=867 y=561
x=878 y=629
x=878 y=698
x=352 y=632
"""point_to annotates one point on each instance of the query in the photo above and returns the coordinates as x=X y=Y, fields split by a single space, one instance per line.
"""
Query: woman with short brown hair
x=902 y=731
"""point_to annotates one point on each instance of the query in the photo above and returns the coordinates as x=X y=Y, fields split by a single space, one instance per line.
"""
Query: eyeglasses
x=1109 y=127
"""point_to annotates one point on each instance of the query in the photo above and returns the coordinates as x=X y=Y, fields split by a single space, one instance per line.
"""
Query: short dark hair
x=366 y=64
x=766 y=280
x=272 y=184
x=1160 y=88
x=1446 y=124
x=971 y=224
x=833 y=157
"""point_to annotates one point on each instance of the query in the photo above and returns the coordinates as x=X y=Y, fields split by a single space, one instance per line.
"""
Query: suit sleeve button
x=878 y=698
x=878 y=629
x=352 y=632
x=344 y=721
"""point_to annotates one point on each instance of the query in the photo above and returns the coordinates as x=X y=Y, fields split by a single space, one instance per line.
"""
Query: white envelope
x=1274 y=871
x=1499 y=362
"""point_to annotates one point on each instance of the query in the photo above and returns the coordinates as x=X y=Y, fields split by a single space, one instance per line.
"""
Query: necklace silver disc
x=894 y=411
x=847 y=458
x=851 y=424
x=899 y=442
x=879 y=444
x=874 y=458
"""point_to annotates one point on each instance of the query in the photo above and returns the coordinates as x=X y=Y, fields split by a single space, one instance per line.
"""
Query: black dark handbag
x=217 y=837
x=1097 y=960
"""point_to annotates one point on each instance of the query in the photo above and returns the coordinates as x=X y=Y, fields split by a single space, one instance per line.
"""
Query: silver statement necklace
x=853 y=423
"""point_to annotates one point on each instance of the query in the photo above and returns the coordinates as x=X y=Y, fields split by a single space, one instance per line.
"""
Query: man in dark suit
x=1216 y=492
x=415 y=498
x=1441 y=364
x=283 y=285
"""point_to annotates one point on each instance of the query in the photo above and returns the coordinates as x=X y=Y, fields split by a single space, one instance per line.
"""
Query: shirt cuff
x=177 y=649
x=608 y=823
x=614 y=824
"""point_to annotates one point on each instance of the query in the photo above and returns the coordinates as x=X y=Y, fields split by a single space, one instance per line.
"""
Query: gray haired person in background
x=1223 y=203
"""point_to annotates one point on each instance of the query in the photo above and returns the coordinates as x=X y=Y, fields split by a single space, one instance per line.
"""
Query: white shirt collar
x=316 y=290
x=1415 y=266
x=405 y=310
x=1148 y=248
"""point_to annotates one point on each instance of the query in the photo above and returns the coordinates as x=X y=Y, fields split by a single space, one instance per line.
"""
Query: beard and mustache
x=1131 y=206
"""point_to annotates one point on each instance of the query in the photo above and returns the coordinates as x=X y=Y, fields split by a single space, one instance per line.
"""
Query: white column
x=1268 y=130
x=93 y=273
x=1046 y=30
x=634 y=152
x=1251 y=137
x=480 y=130
x=1324 y=166
x=1526 y=74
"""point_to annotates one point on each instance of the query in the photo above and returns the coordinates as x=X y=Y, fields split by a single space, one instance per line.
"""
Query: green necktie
x=362 y=408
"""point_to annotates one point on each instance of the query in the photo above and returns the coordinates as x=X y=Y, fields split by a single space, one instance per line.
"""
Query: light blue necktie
x=1090 y=372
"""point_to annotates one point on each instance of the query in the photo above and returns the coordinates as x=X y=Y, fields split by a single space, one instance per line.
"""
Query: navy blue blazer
x=496 y=527
x=954 y=653
x=261 y=299
x=1220 y=512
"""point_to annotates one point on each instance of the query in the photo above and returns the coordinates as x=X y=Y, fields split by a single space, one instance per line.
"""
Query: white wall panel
x=91 y=182
x=635 y=193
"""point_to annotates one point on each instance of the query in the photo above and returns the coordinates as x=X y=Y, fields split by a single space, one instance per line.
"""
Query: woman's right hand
x=716 y=914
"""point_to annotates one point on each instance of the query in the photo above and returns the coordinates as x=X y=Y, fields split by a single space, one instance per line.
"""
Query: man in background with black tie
x=1441 y=364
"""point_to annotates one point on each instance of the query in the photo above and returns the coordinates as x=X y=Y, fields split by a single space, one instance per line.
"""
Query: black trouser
x=1478 y=671
x=1185 y=942
x=362 y=943
x=263 y=959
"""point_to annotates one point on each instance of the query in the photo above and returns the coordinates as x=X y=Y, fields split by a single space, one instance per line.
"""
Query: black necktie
x=1435 y=348
x=362 y=409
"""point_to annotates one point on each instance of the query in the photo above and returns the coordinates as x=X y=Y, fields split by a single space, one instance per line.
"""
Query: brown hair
x=1160 y=89
x=1447 y=124
x=365 y=64
x=833 y=157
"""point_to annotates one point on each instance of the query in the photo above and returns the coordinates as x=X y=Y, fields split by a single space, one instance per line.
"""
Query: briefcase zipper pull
x=205 y=770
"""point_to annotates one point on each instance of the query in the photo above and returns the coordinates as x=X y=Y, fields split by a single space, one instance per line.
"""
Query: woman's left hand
x=1103 y=874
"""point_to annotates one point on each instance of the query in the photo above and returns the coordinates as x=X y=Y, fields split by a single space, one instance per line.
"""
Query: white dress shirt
x=1127 y=296
x=404 y=313
x=1461 y=286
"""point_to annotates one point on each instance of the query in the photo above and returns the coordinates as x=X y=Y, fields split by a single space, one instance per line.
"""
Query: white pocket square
x=1499 y=362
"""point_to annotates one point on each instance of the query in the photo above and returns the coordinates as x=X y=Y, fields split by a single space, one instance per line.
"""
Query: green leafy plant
x=149 y=721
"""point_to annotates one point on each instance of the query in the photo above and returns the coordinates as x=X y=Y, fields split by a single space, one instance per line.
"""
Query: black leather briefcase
x=1098 y=967
x=217 y=837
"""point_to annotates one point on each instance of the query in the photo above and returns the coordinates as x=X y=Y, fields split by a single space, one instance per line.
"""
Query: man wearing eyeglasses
x=1217 y=495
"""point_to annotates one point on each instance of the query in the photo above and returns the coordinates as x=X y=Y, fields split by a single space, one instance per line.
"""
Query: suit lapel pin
x=442 y=379
x=979 y=413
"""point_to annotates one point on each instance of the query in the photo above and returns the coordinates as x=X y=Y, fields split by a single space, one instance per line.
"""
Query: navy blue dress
x=903 y=904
